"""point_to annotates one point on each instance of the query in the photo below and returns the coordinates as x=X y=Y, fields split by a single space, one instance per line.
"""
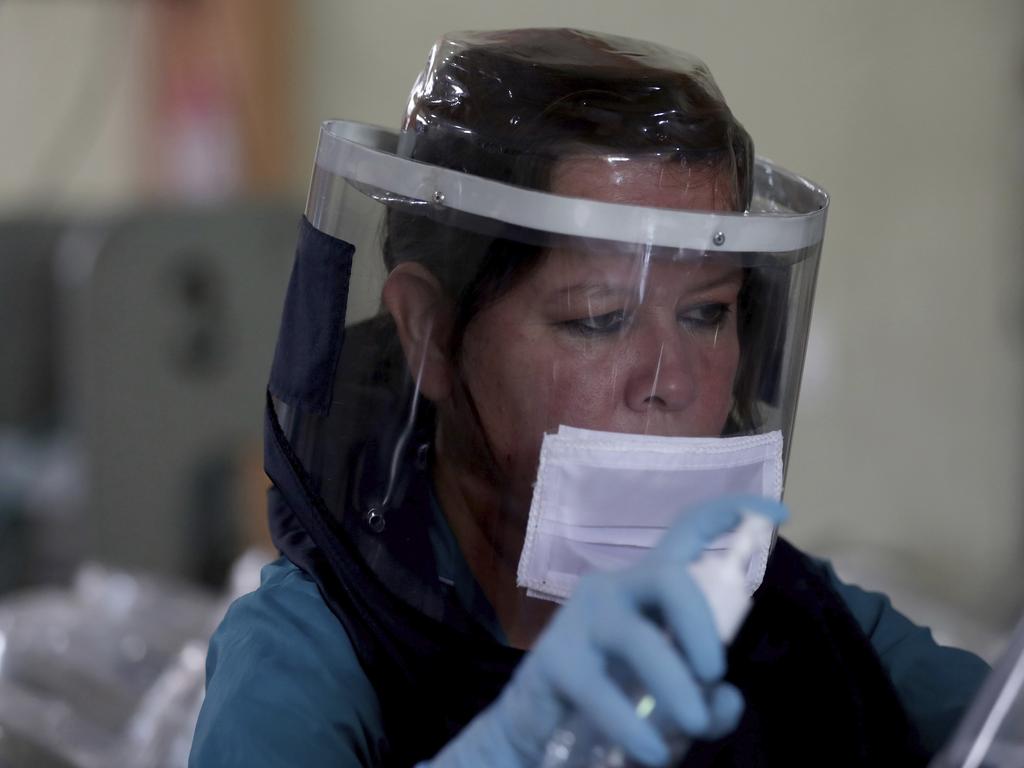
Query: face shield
x=569 y=236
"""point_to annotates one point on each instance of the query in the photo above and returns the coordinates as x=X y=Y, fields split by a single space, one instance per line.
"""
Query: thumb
x=702 y=524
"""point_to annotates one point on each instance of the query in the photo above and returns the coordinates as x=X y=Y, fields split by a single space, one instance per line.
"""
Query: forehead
x=649 y=181
x=601 y=269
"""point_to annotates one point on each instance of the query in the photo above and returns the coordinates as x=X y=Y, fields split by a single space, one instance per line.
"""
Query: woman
x=615 y=287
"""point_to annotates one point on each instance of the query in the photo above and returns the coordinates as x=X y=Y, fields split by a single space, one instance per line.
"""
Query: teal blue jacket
x=284 y=685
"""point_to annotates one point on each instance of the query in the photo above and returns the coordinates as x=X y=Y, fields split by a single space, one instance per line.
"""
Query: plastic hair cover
x=570 y=230
x=512 y=105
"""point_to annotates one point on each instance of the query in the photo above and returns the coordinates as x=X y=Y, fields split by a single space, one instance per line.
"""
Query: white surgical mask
x=602 y=499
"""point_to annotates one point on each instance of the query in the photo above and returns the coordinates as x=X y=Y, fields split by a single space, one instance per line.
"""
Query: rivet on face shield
x=438 y=197
x=719 y=238
x=375 y=519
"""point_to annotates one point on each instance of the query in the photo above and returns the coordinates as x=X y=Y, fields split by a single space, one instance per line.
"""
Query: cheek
x=508 y=369
x=719 y=365
x=525 y=381
x=586 y=388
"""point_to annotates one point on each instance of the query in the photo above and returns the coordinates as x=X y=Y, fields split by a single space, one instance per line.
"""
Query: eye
x=597 y=325
x=706 y=316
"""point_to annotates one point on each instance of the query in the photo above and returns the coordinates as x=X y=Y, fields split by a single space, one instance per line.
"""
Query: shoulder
x=935 y=683
x=283 y=683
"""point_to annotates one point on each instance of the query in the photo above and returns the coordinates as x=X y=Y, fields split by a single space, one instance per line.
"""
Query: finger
x=725 y=705
x=688 y=536
x=775 y=511
x=600 y=701
x=670 y=592
x=706 y=522
x=652 y=664
x=687 y=616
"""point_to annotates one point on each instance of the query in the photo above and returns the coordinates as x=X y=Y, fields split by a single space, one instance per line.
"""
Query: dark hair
x=509 y=105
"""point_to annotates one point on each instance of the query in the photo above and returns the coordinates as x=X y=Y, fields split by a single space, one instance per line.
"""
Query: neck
x=491 y=540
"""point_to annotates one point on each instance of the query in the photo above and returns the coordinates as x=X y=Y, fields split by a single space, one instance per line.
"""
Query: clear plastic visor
x=481 y=317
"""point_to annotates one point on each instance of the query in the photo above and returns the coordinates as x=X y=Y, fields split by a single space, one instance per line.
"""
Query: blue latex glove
x=677 y=657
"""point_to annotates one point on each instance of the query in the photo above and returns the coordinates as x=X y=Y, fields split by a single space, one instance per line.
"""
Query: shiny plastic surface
x=991 y=735
x=570 y=230
x=109 y=672
x=532 y=95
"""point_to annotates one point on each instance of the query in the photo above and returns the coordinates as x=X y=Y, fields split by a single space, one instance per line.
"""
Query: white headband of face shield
x=602 y=499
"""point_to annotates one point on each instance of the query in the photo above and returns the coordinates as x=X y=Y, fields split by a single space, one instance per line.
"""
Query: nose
x=662 y=374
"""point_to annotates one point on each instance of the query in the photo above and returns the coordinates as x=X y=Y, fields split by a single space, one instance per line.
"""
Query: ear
x=423 y=315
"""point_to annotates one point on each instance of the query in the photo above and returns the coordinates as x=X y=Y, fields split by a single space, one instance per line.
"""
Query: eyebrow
x=733 y=276
x=594 y=289
x=602 y=289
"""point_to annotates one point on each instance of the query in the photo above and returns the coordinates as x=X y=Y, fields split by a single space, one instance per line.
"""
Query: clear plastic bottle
x=721 y=575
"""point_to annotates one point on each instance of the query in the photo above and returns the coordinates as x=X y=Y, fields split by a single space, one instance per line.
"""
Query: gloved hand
x=652 y=620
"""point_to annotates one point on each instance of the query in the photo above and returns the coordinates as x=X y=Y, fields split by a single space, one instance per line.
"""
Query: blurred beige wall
x=109 y=105
x=908 y=443
x=70 y=101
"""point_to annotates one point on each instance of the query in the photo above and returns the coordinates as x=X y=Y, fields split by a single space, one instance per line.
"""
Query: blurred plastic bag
x=110 y=672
